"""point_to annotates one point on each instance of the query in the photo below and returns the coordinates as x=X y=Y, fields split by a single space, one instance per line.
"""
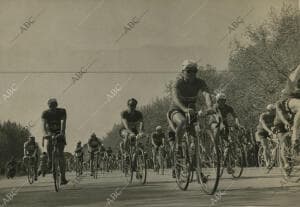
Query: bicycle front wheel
x=56 y=173
x=182 y=167
x=141 y=167
x=30 y=174
x=208 y=161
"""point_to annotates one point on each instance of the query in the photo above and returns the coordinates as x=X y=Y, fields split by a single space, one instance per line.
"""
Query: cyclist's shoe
x=64 y=182
x=92 y=174
x=39 y=172
x=230 y=170
x=35 y=178
x=173 y=173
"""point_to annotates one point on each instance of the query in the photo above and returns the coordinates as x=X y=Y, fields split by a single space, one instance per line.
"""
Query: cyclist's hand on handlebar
x=190 y=111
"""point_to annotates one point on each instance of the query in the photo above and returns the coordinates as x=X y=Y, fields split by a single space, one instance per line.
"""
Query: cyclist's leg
x=179 y=119
x=92 y=157
x=283 y=141
x=49 y=152
x=262 y=136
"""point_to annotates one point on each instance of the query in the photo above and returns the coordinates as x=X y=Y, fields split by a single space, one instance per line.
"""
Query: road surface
x=254 y=188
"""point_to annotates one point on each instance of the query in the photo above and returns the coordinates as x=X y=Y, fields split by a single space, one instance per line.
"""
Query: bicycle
x=30 y=168
x=56 y=171
x=199 y=152
x=134 y=159
x=292 y=155
x=233 y=156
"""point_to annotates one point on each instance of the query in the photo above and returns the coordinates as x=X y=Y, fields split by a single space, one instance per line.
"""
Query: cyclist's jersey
x=53 y=119
x=30 y=147
x=225 y=110
x=78 y=151
x=94 y=143
x=187 y=92
x=268 y=119
x=133 y=119
x=158 y=138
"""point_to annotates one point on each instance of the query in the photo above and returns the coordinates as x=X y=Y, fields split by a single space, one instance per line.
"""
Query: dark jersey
x=187 y=92
x=132 y=118
x=53 y=119
x=225 y=110
x=158 y=138
x=94 y=142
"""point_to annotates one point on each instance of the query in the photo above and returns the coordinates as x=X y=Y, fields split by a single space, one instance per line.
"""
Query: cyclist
x=54 y=123
x=185 y=95
x=132 y=123
x=11 y=168
x=31 y=150
x=158 y=141
x=264 y=131
x=225 y=110
x=79 y=152
x=94 y=144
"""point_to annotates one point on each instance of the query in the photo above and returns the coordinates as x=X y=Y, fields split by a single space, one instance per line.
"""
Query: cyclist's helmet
x=93 y=135
x=189 y=65
x=79 y=143
x=221 y=96
x=32 y=138
x=271 y=107
x=132 y=102
x=52 y=102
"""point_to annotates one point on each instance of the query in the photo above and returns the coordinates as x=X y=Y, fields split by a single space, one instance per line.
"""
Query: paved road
x=255 y=188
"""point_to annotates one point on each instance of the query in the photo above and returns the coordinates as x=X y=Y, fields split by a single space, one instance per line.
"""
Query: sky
x=66 y=35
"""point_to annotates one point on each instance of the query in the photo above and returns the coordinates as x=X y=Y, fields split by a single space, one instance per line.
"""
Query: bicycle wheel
x=141 y=167
x=208 y=161
x=95 y=166
x=182 y=167
x=30 y=173
x=56 y=173
x=237 y=161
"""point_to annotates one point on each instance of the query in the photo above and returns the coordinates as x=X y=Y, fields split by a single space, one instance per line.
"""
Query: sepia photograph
x=149 y=103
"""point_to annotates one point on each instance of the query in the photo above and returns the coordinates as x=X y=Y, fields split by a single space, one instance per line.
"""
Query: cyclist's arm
x=207 y=98
x=63 y=125
x=45 y=126
x=236 y=119
x=125 y=124
x=264 y=125
x=280 y=114
x=25 y=149
x=141 y=126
